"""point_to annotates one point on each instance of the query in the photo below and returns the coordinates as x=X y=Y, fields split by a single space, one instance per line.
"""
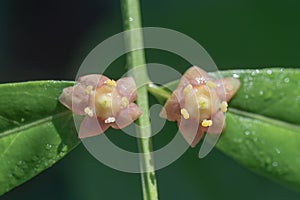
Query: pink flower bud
x=199 y=104
x=104 y=103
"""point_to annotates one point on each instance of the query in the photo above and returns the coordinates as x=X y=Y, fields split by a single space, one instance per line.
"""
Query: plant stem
x=136 y=62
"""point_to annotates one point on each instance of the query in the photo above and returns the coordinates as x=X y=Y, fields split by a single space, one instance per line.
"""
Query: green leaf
x=263 y=123
x=35 y=130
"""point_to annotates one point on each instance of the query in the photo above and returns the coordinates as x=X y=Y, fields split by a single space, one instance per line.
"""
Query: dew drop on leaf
x=269 y=72
x=277 y=151
x=274 y=164
x=236 y=76
x=286 y=80
x=48 y=146
x=247 y=132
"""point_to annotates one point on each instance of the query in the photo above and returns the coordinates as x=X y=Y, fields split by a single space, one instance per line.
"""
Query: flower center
x=103 y=104
x=204 y=99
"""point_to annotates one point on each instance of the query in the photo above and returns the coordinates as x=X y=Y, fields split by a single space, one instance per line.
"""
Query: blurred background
x=49 y=40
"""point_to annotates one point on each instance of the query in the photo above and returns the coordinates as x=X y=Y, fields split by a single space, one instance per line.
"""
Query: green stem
x=136 y=63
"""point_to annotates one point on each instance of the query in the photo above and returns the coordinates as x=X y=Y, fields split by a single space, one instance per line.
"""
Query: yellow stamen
x=124 y=102
x=88 y=89
x=224 y=106
x=89 y=112
x=187 y=89
x=184 y=113
x=211 y=84
x=206 y=123
x=111 y=83
x=203 y=102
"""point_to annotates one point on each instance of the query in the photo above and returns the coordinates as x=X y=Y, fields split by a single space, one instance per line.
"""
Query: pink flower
x=104 y=103
x=199 y=104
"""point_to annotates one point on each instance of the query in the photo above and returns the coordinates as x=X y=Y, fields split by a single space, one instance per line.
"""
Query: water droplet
x=286 y=80
x=277 y=151
x=22 y=120
x=253 y=73
x=246 y=96
x=236 y=76
x=274 y=164
x=64 y=148
x=257 y=71
x=48 y=146
x=261 y=92
x=269 y=71
x=130 y=19
x=247 y=132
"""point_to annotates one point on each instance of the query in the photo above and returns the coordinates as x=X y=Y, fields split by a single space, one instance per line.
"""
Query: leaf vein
x=27 y=126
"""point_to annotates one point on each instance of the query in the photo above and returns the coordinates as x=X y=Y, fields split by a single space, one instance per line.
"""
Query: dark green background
x=49 y=39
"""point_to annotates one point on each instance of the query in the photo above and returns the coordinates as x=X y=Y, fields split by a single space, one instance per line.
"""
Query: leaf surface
x=35 y=130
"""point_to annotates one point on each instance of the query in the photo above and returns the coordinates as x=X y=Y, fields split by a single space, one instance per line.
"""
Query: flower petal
x=80 y=100
x=127 y=116
x=91 y=126
x=189 y=121
x=171 y=109
x=218 y=123
x=198 y=137
x=66 y=97
x=190 y=103
x=126 y=87
x=194 y=76
x=227 y=87
x=190 y=130
x=92 y=79
x=75 y=99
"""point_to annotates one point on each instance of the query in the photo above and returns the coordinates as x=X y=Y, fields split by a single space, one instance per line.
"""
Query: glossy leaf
x=35 y=130
x=263 y=123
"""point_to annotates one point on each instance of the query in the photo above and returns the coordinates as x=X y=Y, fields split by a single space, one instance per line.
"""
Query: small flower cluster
x=103 y=101
x=198 y=104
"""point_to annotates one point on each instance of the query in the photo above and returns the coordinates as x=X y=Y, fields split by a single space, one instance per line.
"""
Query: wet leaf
x=35 y=130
